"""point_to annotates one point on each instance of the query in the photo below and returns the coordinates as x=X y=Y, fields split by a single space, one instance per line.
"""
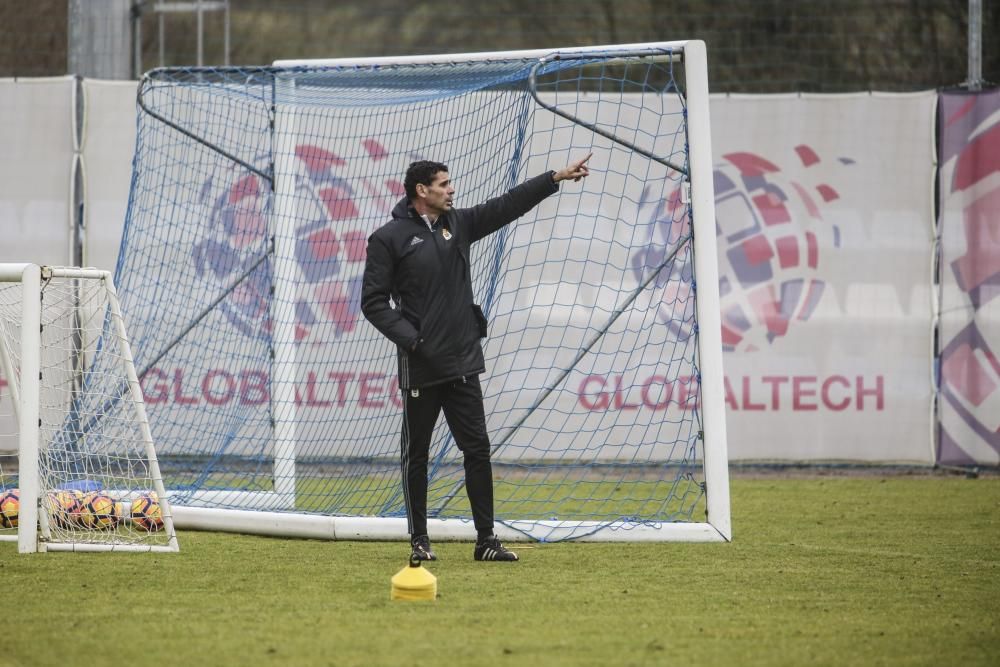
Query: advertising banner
x=108 y=146
x=37 y=140
x=37 y=120
x=825 y=228
x=825 y=214
x=969 y=126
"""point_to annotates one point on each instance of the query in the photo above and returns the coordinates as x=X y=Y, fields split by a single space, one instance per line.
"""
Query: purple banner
x=969 y=427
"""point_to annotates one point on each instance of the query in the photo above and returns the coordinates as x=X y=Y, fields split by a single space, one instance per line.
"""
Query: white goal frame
x=715 y=527
x=33 y=533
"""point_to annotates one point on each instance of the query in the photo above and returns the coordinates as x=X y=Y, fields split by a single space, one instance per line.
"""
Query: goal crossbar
x=618 y=50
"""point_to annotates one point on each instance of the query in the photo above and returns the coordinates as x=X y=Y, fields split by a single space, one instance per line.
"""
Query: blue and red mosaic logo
x=772 y=235
x=338 y=202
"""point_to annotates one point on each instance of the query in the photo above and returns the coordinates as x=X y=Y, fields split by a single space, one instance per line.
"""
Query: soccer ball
x=66 y=508
x=146 y=512
x=10 y=508
x=100 y=512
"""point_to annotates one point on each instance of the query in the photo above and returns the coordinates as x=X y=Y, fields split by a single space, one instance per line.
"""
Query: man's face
x=438 y=195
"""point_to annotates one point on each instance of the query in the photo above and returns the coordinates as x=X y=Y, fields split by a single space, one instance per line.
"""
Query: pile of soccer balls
x=95 y=510
x=10 y=508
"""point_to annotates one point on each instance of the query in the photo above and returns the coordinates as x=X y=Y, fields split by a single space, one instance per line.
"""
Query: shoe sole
x=492 y=558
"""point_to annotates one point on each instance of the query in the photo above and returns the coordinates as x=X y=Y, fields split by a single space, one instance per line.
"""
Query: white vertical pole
x=135 y=390
x=706 y=267
x=975 y=39
x=283 y=377
x=137 y=42
x=162 y=36
x=31 y=346
x=225 y=36
x=201 y=32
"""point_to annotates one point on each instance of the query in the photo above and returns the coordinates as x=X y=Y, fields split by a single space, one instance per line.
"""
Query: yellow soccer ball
x=65 y=507
x=101 y=511
x=146 y=513
x=10 y=507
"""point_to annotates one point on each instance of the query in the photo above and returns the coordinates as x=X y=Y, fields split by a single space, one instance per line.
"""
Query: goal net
x=254 y=191
x=79 y=470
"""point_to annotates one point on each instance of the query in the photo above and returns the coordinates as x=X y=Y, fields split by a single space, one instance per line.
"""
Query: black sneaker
x=421 y=545
x=489 y=548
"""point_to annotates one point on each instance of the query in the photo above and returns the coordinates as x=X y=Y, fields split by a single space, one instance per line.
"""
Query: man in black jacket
x=420 y=260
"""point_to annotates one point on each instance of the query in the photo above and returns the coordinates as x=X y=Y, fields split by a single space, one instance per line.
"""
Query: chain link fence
x=754 y=45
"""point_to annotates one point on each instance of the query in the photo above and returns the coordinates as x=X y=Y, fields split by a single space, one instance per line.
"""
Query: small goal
x=83 y=475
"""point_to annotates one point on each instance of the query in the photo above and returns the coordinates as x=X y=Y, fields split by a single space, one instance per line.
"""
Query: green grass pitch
x=823 y=570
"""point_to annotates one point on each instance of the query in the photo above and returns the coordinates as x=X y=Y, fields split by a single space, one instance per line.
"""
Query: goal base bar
x=135 y=548
x=70 y=546
x=217 y=498
x=319 y=527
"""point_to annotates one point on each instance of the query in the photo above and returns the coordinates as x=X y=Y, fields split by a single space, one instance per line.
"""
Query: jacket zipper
x=442 y=255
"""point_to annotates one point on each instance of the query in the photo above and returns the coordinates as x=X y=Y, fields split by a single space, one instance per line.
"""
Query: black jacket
x=428 y=276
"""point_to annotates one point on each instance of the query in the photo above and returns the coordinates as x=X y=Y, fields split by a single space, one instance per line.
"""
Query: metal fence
x=754 y=45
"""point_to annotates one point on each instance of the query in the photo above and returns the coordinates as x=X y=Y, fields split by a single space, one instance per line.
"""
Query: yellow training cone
x=413 y=582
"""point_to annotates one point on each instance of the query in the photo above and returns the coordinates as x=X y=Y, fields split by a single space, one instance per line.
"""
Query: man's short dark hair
x=421 y=171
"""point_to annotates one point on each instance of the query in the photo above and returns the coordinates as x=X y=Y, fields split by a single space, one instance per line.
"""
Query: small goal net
x=79 y=470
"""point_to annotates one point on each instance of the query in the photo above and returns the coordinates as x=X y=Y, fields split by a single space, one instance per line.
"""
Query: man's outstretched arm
x=493 y=214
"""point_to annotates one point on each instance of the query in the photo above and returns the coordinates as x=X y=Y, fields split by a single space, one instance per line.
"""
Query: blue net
x=591 y=385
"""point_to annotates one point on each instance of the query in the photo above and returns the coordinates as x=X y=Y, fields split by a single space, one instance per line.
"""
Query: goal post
x=707 y=270
x=25 y=278
x=275 y=402
x=86 y=472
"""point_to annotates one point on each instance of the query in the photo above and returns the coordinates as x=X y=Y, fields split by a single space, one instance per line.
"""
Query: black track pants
x=462 y=402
